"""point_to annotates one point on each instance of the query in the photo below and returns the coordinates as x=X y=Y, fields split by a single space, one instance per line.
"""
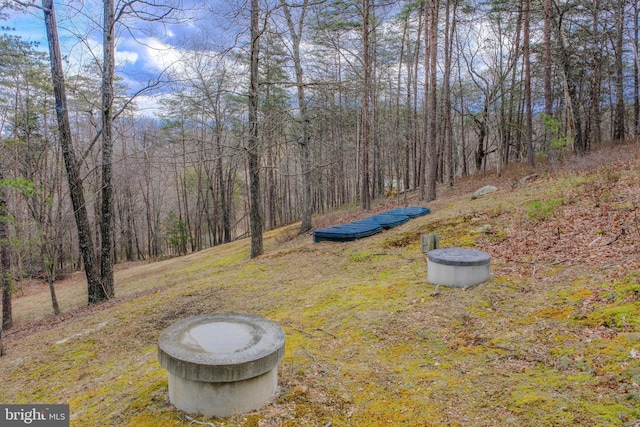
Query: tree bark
x=255 y=209
x=416 y=143
x=574 y=121
x=636 y=69
x=52 y=292
x=5 y=263
x=225 y=192
x=5 y=268
x=593 y=132
x=513 y=113
x=431 y=97
x=619 y=117
x=365 y=194
x=305 y=137
x=450 y=28
x=527 y=85
x=107 y=290
x=76 y=190
x=548 y=91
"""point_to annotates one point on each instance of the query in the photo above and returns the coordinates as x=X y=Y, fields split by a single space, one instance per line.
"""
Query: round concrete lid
x=458 y=257
x=221 y=347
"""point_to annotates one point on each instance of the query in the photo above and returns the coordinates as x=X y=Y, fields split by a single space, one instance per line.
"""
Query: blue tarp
x=369 y=226
x=410 y=211
x=347 y=232
x=388 y=220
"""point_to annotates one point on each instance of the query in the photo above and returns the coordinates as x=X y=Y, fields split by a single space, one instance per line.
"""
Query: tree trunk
x=548 y=91
x=450 y=28
x=305 y=137
x=463 y=133
x=527 y=85
x=365 y=194
x=378 y=167
x=73 y=174
x=482 y=133
x=225 y=204
x=418 y=172
x=431 y=97
x=404 y=143
x=107 y=290
x=255 y=213
x=5 y=263
x=619 y=117
x=513 y=114
x=636 y=70
x=592 y=126
x=575 y=124
x=52 y=292
x=407 y=140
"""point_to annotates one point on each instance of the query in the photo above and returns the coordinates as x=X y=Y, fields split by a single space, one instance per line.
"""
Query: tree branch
x=23 y=4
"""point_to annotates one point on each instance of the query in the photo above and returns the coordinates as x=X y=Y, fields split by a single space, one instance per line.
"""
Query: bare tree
x=72 y=166
x=295 y=32
x=365 y=191
x=147 y=11
x=527 y=83
x=593 y=128
x=636 y=68
x=431 y=97
x=447 y=131
x=5 y=262
x=107 y=289
x=618 y=46
x=100 y=284
x=253 y=149
x=571 y=92
x=546 y=37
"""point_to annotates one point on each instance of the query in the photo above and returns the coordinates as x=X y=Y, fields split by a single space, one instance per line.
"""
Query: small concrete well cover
x=458 y=267
x=221 y=363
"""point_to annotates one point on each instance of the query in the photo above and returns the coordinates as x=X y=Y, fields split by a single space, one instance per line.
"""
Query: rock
x=523 y=181
x=484 y=190
x=484 y=229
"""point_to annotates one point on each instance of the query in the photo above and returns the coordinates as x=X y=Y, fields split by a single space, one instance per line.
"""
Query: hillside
x=552 y=339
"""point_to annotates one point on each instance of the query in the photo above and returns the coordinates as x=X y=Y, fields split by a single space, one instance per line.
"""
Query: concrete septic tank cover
x=221 y=363
x=458 y=267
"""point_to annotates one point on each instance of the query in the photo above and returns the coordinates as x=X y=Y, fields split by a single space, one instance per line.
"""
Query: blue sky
x=142 y=52
x=26 y=25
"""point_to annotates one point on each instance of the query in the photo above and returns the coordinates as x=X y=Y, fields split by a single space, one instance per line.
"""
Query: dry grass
x=553 y=339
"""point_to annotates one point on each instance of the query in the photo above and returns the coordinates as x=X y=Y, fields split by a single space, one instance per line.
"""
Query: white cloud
x=160 y=56
x=126 y=57
x=148 y=106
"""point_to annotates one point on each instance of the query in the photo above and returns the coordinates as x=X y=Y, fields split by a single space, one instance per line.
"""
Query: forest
x=276 y=110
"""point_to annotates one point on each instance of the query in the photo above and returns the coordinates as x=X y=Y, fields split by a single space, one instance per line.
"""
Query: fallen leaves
x=584 y=231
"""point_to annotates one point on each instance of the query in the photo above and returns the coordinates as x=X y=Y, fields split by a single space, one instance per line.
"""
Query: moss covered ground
x=553 y=339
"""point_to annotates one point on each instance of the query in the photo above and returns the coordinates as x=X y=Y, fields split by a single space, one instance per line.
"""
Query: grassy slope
x=550 y=340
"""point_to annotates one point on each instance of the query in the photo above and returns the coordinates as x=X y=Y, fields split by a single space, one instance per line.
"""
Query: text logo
x=34 y=415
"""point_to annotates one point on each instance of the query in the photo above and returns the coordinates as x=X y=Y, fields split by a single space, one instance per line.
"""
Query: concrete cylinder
x=223 y=363
x=457 y=267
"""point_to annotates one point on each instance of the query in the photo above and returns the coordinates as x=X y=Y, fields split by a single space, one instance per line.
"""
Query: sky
x=143 y=50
